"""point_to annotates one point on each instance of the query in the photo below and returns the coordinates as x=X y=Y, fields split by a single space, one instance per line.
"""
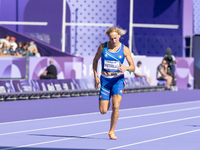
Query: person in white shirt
x=5 y=40
x=138 y=72
x=13 y=43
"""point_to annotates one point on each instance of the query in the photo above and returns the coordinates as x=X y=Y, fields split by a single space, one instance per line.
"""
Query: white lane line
x=49 y=118
x=156 y=139
x=77 y=115
x=99 y=121
x=28 y=145
x=65 y=139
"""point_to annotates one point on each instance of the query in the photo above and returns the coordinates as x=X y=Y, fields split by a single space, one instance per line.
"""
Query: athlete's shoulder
x=101 y=46
x=125 y=47
x=126 y=50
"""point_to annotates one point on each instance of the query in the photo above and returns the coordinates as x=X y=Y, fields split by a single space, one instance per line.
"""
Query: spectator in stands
x=33 y=51
x=51 y=72
x=1 y=52
x=12 y=52
x=19 y=50
x=162 y=73
x=13 y=43
x=138 y=72
x=25 y=48
x=30 y=48
x=5 y=49
x=171 y=60
x=5 y=40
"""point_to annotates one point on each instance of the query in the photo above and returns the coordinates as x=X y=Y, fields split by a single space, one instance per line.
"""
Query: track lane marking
x=77 y=115
x=124 y=129
x=99 y=121
x=156 y=139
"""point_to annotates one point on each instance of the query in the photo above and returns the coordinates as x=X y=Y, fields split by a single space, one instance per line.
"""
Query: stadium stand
x=44 y=49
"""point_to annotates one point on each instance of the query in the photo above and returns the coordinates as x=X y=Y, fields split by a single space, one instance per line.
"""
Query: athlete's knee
x=115 y=107
x=103 y=111
x=116 y=102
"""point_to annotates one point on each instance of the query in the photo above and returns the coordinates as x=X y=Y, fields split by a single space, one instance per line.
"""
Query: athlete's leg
x=115 y=114
x=115 y=111
x=116 y=93
x=104 y=106
x=104 y=95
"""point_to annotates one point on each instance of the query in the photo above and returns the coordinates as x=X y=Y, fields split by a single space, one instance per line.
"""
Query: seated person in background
x=31 y=48
x=13 y=43
x=138 y=72
x=5 y=49
x=25 y=46
x=51 y=72
x=22 y=49
x=162 y=73
x=1 y=52
x=25 y=50
x=11 y=51
x=19 y=49
x=171 y=60
x=5 y=40
x=33 y=51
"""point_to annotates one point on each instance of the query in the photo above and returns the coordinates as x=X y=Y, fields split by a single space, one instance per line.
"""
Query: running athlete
x=112 y=56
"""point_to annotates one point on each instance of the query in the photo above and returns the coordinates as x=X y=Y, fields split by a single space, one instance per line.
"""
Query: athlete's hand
x=97 y=81
x=122 y=68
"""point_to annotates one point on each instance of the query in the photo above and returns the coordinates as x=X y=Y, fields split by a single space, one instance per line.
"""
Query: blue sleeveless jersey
x=110 y=61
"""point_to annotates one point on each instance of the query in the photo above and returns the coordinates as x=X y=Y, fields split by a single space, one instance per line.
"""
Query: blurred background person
x=13 y=43
x=25 y=48
x=32 y=49
x=162 y=73
x=12 y=52
x=138 y=72
x=171 y=60
x=19 y=50
x=51 y=72
x=5 y=40
x=5 y=49
x=35 y=52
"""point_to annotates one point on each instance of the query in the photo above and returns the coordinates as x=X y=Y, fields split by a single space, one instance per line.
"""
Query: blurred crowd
x=8 y=47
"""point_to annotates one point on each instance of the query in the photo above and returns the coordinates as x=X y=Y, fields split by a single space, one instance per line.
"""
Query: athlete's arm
x=131 y=67
x=95 y=64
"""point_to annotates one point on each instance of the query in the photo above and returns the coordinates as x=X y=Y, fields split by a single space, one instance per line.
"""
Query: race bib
x=111 y=65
